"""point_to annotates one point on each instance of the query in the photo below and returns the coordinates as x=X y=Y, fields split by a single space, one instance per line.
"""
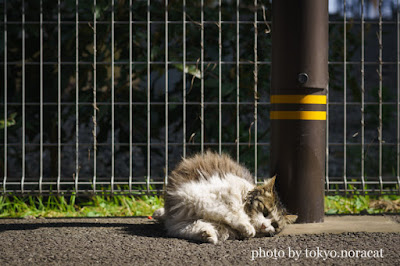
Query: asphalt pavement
x=340 y=240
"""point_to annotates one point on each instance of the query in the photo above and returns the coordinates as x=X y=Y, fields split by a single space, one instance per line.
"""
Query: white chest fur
x=215 y=192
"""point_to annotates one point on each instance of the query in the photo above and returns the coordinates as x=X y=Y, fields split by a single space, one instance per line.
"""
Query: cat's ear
x=291 y=218
x=269 y=183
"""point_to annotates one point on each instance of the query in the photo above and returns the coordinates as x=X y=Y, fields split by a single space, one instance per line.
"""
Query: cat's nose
x=263 y=226
x=267 y=228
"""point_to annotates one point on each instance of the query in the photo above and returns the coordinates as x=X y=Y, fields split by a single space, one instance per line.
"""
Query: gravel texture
x=140 y=241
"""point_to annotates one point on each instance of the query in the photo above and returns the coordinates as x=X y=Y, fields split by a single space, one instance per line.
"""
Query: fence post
x=298 y=104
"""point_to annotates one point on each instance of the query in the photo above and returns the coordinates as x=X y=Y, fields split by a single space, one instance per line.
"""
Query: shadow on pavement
x=140 y=229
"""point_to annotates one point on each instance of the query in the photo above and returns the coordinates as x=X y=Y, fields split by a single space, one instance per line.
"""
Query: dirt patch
x=386 y=205
x=395 y=218
x=139 y=241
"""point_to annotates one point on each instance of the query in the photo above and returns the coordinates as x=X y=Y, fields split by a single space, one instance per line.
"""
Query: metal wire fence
x=107 y=96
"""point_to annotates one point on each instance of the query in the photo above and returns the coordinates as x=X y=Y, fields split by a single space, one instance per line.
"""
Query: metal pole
x=298 y=105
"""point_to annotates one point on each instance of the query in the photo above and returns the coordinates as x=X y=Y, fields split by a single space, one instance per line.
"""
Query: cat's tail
x=159 y=214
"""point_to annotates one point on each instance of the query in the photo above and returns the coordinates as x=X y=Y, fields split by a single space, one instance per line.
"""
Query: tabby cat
x=211 y=198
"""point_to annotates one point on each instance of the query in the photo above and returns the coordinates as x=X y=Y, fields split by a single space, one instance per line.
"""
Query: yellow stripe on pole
x=299 y=99
x=298 y=115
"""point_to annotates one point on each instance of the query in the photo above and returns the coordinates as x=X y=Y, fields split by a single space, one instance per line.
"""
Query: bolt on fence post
x=298 y=105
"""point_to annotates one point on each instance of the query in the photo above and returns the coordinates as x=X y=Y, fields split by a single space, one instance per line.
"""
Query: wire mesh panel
x=363 y=97
x=108 y=96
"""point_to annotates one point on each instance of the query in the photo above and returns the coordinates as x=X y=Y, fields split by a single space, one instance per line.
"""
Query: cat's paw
x=206 y=231
x=247 y=230
x=159 y=214
x=210 y=236
x=223 y=233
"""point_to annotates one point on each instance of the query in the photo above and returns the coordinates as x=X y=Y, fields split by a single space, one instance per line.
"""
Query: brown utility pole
x=298 y=104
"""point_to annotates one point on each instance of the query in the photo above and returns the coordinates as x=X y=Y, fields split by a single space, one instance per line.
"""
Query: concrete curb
x=344 y=224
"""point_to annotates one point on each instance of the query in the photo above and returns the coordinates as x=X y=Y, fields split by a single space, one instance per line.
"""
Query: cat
x=211 y=198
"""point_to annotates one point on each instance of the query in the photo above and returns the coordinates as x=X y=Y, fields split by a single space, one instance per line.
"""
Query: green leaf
x=191 y=69
x=331 y=211
x=92 y=214
x=10 y=121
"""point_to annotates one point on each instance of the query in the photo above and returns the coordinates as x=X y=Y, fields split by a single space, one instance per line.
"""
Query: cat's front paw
x=210 y=236
x=247 y=230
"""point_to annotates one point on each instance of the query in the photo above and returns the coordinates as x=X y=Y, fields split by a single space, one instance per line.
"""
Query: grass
x=107 y=206
x=96 y=206
x=356 y=204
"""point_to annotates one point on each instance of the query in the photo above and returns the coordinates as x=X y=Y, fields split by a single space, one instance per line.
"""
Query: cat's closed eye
x=275 y=225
